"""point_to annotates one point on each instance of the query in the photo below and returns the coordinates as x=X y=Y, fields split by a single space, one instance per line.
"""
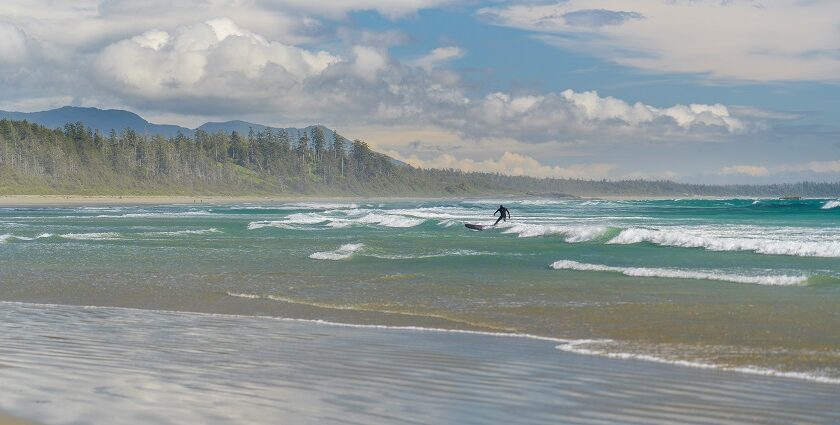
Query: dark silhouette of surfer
x=505 y=214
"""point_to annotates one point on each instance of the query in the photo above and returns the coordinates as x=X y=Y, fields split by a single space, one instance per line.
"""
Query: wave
x=577 y=347
x=159 y=214
x=295 y=221
x=343 y=252
x=779 y=280
x=385 y=310
x=320 y=206
x=570 y=233
x=184 y=232
x=687 y=239
x=98 y=236
x=448 y=253
x=390 y=220
x=7 y=237
x=831 y=205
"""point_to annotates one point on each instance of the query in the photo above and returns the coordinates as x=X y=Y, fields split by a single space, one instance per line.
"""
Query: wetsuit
x=505 y=214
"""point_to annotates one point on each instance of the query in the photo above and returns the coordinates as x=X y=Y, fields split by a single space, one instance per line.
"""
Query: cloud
x=814 y=167
x=782 y=40
x=818 y=167
x=750 y=170
x=585 y=117
x=513 y=164
x=215 y=58
x=437 y=57
x=13 y=48
x=598 y=17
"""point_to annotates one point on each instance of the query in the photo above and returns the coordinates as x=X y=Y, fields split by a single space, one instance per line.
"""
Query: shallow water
x=742 y=285
x=67 y=365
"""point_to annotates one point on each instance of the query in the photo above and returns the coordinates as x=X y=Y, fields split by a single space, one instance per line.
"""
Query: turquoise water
x=747 y=285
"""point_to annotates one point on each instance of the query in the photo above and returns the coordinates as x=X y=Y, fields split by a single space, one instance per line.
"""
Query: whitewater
x=695 y=276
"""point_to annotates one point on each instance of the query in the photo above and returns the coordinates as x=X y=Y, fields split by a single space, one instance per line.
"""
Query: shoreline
x=10 y=420
x=406 y=373
x=105 y=200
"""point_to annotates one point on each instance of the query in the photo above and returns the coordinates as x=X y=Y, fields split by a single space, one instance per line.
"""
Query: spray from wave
x=779 y=280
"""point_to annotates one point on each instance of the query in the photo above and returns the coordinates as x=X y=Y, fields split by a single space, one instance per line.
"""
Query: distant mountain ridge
x=105 y=120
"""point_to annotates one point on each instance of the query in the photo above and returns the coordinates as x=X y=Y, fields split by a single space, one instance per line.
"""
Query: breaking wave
x=448 y=253
x=293 y=221
x=695 y=239
x=159 y=214
x=8 y=237
x=185 y=232
x=343 y=252
x=831 y=204
x=97 y=236
x=778 y=280
x=570 y=234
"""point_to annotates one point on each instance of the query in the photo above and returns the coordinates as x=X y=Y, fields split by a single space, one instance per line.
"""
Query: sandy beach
x=8 y=420
x=79 y=365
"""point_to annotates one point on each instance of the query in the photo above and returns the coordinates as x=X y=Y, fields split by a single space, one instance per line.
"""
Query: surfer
x=504 y=214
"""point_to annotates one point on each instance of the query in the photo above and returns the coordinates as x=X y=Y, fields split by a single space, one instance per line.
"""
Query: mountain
x=106 y=119
x=102 y=119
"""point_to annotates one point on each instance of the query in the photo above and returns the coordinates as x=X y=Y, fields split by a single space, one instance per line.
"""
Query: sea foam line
x=780 y=280
x=566 y=345
x=574 y=346
x=683 y=239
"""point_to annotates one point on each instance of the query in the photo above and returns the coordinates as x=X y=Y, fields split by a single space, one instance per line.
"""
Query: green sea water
x=747 y=285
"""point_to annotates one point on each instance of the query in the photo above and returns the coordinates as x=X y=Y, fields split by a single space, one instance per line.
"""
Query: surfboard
x=474 y=226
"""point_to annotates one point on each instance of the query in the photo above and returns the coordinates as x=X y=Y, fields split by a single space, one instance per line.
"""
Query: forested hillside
x=78 y=160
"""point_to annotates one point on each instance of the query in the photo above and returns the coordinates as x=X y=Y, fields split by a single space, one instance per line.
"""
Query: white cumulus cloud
x=750 y=170
x=513 y=164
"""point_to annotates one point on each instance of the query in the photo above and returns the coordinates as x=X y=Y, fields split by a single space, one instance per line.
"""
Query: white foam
x=576 y=347
x=343 y=252
x=159 y=214
x=698 y=238
x=831 y=204
x=241 y=295
x=185 y=232
x=305 y=218
x=390 y=220
x=778 y=280
x=569 y=233
x=320 y=206
x=6 y=237
x=448 y=253
x=101 y=236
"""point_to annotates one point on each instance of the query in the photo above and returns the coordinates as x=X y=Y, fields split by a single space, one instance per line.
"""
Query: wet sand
x=8 y=420
x=65 y=364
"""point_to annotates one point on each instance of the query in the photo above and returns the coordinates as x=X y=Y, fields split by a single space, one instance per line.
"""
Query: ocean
x=741 y=286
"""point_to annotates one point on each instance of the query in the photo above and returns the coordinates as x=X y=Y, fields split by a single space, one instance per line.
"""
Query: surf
x=772 y=280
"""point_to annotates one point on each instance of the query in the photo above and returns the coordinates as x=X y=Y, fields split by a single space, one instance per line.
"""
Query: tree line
x=79 y=160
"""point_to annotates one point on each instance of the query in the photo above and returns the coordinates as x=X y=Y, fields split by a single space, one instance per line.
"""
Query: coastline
x=304 y=371
x=9 y=420
x=102 y=200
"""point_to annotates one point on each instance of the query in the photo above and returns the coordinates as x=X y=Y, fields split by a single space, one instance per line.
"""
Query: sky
x=712 y=91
